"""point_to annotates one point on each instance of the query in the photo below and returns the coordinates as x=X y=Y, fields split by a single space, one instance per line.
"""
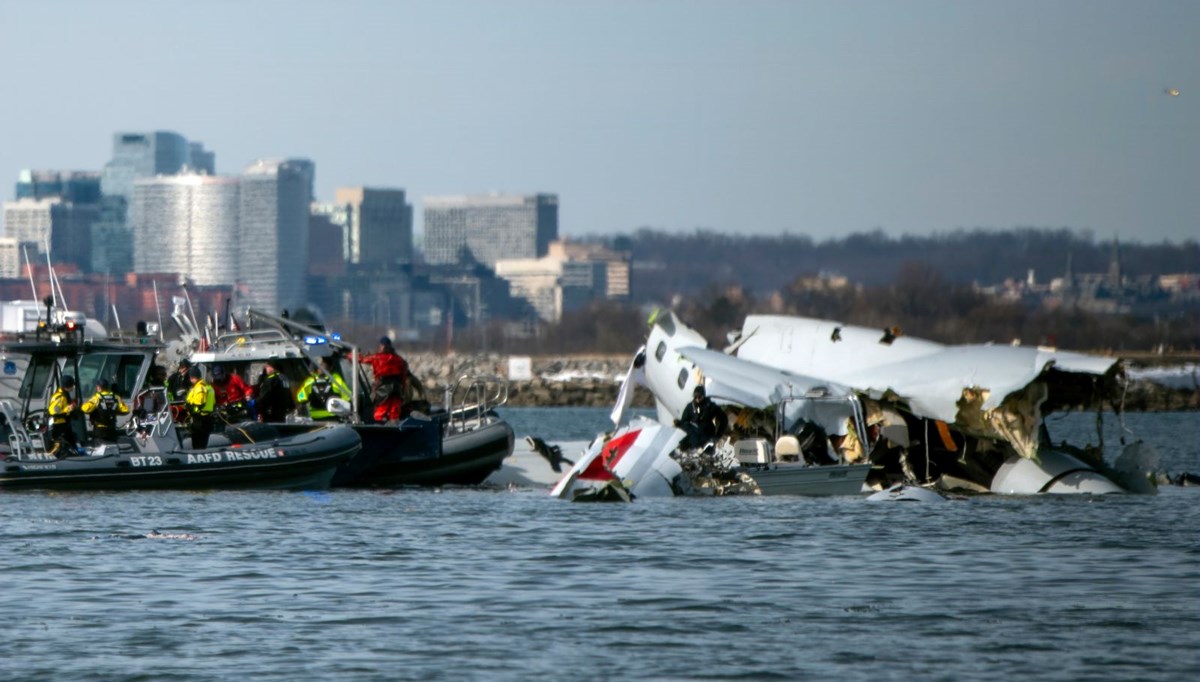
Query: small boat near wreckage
x=459 y=442
x=150 y=450
x=823 y=408
x=770 y=448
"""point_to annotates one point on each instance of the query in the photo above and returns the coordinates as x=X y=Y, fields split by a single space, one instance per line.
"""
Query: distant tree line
x=667 y=264
x=924 y=285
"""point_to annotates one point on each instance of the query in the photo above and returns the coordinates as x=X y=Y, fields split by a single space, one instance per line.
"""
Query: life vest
x=322 y=391
x=105 y=412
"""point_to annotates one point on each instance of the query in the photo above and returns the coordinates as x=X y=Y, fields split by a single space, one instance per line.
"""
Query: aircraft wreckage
x=817 y=407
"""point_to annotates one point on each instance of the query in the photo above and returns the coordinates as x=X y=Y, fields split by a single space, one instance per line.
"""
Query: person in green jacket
x=324 y=383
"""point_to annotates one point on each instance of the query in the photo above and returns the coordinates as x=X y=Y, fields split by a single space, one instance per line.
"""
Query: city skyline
x=763 y=117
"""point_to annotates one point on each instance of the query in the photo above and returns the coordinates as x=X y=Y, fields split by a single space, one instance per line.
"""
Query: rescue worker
x=391 y=376
x=231 y=391
x=62 y=406
x=272 y=397
x=702 y=420
x=323 y=384
x=179 y=384
x=201 y=401
x=104 y=407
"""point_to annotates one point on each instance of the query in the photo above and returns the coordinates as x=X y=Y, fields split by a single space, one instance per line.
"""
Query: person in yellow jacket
x=201 y=401
x=62 y=406
x=319 y=388
x=104 y=406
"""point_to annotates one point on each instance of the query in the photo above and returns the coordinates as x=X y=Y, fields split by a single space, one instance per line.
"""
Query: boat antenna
x=108 y=306
x=50 y=274
x=157 y=309
x=191 y=311
x=116 y=316
x=29 y=271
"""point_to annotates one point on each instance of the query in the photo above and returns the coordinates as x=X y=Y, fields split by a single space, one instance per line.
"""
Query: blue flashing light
x=315 y=340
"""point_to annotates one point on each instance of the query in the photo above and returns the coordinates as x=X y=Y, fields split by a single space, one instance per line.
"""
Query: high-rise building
x=70 y=227
x=273 y=233
x=378 y=226
x=79 y=187
x=60 y=226
x=488 y=228
x=10 y=258
x=137 y=155
x=187 y=224
x=201 y=160
x=142 y=155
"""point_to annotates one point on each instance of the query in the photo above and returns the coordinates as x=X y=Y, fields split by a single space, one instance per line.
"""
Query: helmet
x=68 y=381
x=195 y=373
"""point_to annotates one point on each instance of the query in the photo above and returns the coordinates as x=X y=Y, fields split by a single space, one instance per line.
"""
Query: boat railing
x=156 y=422
x=472 y=397
x=25 y=444
x=250 y=338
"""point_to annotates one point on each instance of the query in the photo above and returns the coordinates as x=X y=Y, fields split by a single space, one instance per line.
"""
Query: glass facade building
x=378 y=225
x=273 y=233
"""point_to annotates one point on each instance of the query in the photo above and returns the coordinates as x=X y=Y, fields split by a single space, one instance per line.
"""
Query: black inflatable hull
x=301 y=461
x=415 y=452
x=466 y=459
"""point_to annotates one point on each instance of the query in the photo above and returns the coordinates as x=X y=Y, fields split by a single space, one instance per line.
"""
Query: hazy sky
x=750 y=116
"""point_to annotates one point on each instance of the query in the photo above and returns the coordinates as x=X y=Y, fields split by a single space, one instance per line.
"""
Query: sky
x=744 y=117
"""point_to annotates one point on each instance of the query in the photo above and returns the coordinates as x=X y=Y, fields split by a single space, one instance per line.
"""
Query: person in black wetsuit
x=702 y=420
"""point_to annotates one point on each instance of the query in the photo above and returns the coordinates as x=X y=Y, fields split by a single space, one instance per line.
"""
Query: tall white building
x=250 y=230
x=187 y=224
x=273 y=233
x=489 y=227
x=31 y=222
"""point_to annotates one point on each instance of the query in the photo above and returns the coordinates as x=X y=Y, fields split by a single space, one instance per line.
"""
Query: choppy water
x=472 y=584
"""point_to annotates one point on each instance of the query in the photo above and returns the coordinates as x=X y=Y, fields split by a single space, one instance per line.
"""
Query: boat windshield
x=122 y=369
x=41 y=368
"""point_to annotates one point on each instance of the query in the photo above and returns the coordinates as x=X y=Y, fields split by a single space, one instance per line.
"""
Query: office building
x=10 y=258
x=554 y=285
x=143 y=155
x=273 y=233
x=77 y=187
x=187 y=224
x=617 y=264
x=378 y=228
x=62 y=227
x=137 y=155
x=489 y=228
x=69 y=227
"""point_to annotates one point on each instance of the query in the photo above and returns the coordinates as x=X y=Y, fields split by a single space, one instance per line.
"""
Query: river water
x=511 y=585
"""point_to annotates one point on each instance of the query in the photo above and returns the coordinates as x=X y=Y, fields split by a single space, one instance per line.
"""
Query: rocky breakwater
x=550 y=381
